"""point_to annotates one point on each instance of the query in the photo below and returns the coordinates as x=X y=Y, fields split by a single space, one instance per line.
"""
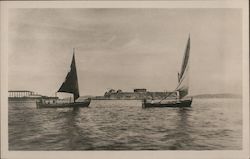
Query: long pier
x=21 y=93
x=25 y=95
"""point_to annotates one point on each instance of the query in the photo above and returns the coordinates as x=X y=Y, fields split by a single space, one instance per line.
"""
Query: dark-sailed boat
x=181 y=90
x=70 y=85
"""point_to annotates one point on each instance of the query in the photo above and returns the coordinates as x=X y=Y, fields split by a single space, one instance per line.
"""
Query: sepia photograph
x=119 y=79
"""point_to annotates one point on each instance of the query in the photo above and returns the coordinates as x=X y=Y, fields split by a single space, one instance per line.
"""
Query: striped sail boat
x=181 y=90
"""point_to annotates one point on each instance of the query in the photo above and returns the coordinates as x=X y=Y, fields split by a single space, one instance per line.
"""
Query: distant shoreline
x=226 y=95
x=200 y=96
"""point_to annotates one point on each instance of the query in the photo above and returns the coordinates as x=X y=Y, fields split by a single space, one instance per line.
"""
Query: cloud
x=125 y=48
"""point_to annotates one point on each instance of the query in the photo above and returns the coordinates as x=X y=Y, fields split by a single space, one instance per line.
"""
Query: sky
x=125 y=49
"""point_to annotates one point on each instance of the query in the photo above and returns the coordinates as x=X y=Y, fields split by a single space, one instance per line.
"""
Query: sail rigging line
x=181 y=80
x=70 y=85
x=170 y=93
x=167 y=96
x=184 y=69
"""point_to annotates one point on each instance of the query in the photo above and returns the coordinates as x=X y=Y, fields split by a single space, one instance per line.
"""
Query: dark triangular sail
x=183 y=75
x=70 y=85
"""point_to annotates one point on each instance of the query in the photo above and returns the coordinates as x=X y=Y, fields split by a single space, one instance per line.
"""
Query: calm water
x=210 y=124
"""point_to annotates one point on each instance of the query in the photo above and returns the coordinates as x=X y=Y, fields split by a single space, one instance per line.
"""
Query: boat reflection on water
x=182 y=131
x=72 y=131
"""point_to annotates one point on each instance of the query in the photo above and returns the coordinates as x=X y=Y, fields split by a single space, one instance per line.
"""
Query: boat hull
x=181 y=103
x=63 y=105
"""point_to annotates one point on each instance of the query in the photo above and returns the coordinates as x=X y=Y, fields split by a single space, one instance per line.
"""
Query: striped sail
x=183 y=78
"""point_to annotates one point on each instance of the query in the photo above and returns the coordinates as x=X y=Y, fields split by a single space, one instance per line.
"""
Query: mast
x=183 y=77
x=70 y=85
x=182 y=88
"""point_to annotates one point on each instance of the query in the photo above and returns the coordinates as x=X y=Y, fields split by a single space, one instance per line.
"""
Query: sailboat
x=181 y=90
x=70 y=85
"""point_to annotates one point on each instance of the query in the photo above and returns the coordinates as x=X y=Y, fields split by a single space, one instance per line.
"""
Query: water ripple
x=123 y=125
